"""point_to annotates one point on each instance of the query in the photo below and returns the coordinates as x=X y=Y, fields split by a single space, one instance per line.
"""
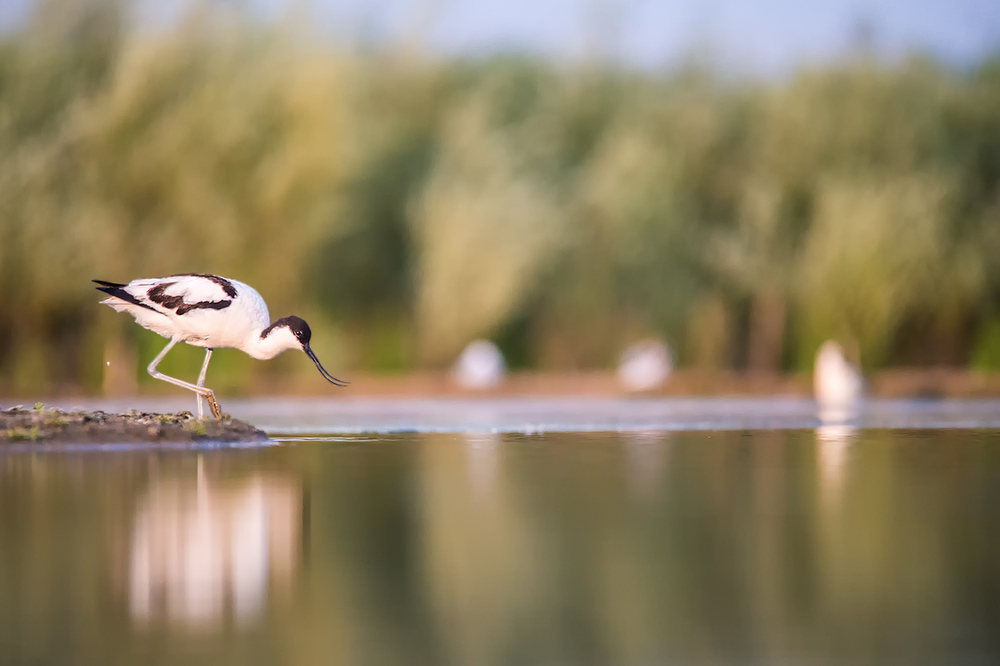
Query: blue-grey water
x=638 y=544
x=302 y=416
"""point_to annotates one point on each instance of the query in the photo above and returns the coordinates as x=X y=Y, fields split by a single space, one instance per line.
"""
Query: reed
x=409 y=204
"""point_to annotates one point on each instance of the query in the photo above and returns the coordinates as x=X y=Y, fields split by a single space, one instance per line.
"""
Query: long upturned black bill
x=326 y=375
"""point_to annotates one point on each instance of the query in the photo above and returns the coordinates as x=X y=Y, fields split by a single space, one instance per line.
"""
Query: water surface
x=823 y=546
x=360 y=414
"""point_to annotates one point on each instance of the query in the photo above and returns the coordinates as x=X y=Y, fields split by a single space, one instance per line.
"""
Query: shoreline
x=56 y=426
x=942 y=382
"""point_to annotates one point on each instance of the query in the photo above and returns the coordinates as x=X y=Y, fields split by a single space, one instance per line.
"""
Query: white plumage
x=645 y=365
x=237 y=325
x=837 y=384
x=480 y=366
x=212 y=312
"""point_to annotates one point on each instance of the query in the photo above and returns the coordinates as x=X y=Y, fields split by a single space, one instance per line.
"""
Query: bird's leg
x=201 y=381
x=200 y=390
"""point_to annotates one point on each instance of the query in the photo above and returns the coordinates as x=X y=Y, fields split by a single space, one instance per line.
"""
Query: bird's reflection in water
x=647 y=455
x=482 y=556
x=833 y=448
x=203 y=548
x=482 y=463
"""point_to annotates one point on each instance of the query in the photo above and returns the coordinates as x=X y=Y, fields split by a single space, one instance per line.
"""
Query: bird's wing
x=181 y=294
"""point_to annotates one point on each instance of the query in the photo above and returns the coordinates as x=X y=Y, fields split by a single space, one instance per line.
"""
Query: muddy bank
x=56 y=426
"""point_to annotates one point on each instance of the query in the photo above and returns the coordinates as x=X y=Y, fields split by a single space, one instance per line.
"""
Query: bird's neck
x=272 y=345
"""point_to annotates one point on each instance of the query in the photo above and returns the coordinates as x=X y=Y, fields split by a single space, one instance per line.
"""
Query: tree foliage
x=408 y=204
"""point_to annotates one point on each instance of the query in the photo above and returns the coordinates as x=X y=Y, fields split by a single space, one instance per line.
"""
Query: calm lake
x=794 y=546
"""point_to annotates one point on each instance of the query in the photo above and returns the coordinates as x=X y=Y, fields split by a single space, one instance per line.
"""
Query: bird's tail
x=117 y=290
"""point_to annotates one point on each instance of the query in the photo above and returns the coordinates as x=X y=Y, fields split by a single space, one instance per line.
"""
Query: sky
x=766 y=36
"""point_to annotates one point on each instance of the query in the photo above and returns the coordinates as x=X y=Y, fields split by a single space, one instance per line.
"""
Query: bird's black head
x=299 y=328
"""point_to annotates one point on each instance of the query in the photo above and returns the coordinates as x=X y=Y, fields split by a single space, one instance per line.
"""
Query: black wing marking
x=116 y=290
x=177 y=304
x=226 y=285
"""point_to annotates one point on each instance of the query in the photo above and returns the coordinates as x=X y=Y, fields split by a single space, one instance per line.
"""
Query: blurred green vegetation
x=405 y=205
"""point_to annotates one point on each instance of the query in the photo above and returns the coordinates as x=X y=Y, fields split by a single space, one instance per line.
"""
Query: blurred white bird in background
x=837 y=385
x=480 y=366
x=645 y=365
